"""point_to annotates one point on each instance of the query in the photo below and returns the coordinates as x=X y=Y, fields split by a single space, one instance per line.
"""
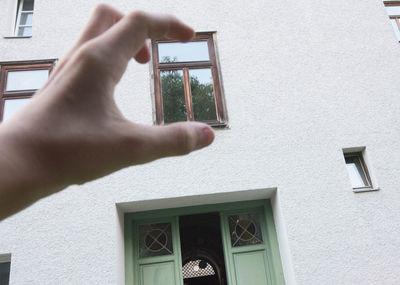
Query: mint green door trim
x=269 y=234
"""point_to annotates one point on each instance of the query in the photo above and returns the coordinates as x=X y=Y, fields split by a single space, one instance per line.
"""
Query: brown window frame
x=220 y=106
x=19 y=66
x=360 y=157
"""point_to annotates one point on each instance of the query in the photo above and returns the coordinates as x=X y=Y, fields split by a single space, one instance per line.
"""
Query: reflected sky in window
x=182 y=52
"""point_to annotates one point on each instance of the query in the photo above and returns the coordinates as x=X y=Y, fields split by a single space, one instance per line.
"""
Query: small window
x=393 y=10
x=187 y=81
x=358 y=171
x=24 y=20
x=18 y=83
x=5 y=265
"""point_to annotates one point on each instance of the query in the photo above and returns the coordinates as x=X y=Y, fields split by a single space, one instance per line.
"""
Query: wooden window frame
x=213 y=64
x=19 y=94
x=364 y=168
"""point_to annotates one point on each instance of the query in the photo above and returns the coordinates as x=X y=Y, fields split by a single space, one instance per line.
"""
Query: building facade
x=299 y=186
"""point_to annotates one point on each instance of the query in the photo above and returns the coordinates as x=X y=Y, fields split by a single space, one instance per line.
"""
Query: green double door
x=251 y=253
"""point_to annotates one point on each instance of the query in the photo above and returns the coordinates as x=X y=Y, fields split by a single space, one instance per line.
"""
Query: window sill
x=17 y=37
x=361 y=190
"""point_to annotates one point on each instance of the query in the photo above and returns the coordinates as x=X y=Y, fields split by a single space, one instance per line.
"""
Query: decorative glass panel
x=183 y=52
x=356 y=172
x=11 y=106
x=155 y=240
x=245 y=229
x=173 y=94
x=197 y=268
x=28 y=5
x=26 y=80
x=26 y=19
x=201 y=83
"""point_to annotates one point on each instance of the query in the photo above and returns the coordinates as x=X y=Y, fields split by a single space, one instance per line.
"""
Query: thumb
x=152 y=142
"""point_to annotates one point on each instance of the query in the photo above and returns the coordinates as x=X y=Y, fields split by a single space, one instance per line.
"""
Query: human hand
x=72 y=131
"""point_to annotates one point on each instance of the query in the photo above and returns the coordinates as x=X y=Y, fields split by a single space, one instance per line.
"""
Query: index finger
x=126 y=38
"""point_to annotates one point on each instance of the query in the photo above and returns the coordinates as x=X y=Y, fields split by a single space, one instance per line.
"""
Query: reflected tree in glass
x=173 y=93
x=201 y=84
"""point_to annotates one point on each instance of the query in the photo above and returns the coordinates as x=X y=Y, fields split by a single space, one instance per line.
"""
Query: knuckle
x=102 y=9
x=89 y=55
x=137 y=16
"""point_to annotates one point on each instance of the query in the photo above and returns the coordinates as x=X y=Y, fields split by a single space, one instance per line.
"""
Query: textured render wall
x=303 y=79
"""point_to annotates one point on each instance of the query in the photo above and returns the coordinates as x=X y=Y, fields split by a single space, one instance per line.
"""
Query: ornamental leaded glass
x=245 y=229
x=155 y=240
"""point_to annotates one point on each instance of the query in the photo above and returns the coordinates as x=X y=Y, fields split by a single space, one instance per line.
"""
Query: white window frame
x=360 y=153
x=19 y=14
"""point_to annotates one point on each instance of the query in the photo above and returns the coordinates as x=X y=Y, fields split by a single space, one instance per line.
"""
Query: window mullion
x=188 y=94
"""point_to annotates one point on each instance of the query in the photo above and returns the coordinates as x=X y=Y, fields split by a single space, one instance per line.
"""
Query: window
x=393 y=10
x=358 y=172
x=187 y=81
x=24 y=20
x=5 y=264
x=18 y=83
x=233 y=243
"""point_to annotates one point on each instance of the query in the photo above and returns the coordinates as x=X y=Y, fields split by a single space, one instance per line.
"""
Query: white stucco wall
x=302 y=79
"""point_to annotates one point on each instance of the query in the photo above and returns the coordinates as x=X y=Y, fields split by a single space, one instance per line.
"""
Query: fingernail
x=207 y=136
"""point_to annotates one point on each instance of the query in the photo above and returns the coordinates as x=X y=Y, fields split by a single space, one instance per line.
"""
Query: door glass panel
x=26 y=80
x=173 y=94
x=11 y=106
x=4 y=273
x=245 y=229
x=155 y=240
x=201 y=84
x=182 y=52
x=26 y=19
x=28 y=5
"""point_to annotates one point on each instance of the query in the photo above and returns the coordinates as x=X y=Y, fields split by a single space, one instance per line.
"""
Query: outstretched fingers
x=102 y=18
x=126 y=39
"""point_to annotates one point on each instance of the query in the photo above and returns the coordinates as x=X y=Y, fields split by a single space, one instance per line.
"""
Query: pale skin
x=72 y=131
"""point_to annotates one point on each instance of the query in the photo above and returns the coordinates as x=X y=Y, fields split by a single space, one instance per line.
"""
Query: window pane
x=179 y=52
x=201 y=84
x=12 y=106
x=28 y=5
x=356 y=173
x=155 y=240
x=395 y=28
x=393 y=10
x=25 y=32
x=4 y=273
x=26 y=19
x=173 y=94
x=26 y=80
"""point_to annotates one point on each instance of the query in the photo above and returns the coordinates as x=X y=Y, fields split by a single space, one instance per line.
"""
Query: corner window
x=5 y=265
x=358 y=171
x=24 y=20
x=18 y=83
x=187 y=81
x=393 y=10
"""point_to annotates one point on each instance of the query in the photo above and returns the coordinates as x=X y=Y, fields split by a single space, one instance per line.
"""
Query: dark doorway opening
x=202 y=251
